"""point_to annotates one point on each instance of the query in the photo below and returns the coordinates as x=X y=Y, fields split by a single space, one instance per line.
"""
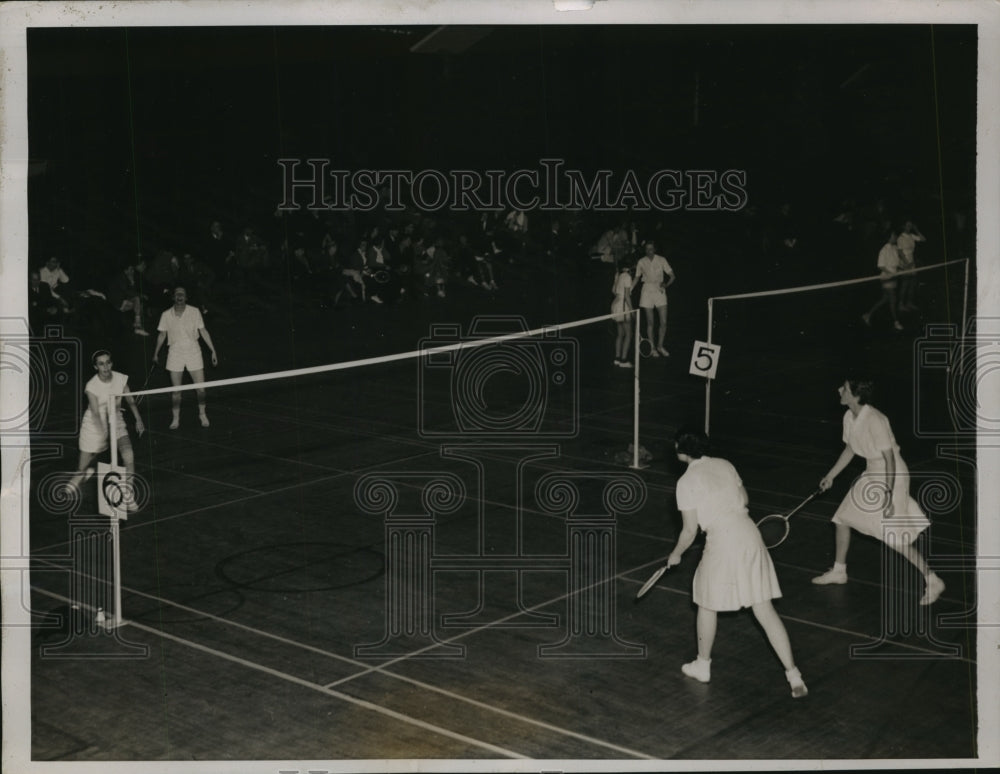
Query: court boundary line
x=366 y=669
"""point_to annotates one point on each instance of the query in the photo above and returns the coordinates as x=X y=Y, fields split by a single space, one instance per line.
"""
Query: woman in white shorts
x=180 y=327
x=656 y=276
x=878 y=503
x=95 y=426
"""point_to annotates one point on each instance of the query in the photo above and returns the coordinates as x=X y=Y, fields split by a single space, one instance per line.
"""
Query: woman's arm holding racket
x=688 y=533
x=842 y=462
x=140 y=428
x=160 y=338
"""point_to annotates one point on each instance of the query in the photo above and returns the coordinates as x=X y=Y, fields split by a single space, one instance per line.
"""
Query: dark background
x=149 y=133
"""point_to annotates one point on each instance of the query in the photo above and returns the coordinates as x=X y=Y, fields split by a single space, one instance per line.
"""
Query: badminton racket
x=651 y=582
x=775 y=527
x=145 y=384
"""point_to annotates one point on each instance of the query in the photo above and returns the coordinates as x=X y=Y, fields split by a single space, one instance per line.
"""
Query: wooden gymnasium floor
x=252 y=577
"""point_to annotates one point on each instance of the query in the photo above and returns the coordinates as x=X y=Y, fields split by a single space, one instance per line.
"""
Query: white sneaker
x=625 y=364
x=203 y=419
x=699 y=670
x=663 y=351
x=376 y=299
x=140 y=331
x=796 y=682
x=175 y=424
x=831 y=576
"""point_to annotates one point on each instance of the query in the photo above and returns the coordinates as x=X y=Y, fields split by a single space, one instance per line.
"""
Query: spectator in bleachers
x=162 y=276
x=434 y=266
x=124 y=296
x=52 y=274
x=218 y=250
x=43 y=307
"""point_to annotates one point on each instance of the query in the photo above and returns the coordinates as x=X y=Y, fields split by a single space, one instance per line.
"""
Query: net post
x=708 y=382
x=115 y=544
x=635 y=398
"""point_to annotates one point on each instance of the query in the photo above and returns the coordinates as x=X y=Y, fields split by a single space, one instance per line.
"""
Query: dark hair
x=862 y=389
x=97 y=354
x=692 y=442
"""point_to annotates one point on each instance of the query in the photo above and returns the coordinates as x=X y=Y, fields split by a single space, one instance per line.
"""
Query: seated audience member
x=199 y=278
x=162 y=276
x=43 y=308
x=124 y=296
x=52 y=274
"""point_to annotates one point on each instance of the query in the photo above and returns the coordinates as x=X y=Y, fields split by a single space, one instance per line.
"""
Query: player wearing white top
x=735 y=569
x=181 y=326
x=620 y=308
x=651 y=270
x=893 y=517
x=907 y=244
x=94 y=428
x=888 y=265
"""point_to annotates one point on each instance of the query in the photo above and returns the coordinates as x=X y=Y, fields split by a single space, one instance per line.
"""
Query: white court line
x=335 y=694
x=367 y=670
x=154 y=522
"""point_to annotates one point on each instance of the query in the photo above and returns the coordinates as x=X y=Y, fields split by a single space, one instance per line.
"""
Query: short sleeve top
x=652 y=270
x=868 y=434
x=181 y=330
x=712 y=487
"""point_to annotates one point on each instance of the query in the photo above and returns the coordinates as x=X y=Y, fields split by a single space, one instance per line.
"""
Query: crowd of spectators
x=336 y=260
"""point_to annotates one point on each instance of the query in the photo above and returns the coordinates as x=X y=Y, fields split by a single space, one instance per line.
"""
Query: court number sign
x=704 y=359
x=112 y=492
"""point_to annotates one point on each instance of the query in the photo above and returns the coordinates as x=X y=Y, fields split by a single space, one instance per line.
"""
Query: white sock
x=840 y=567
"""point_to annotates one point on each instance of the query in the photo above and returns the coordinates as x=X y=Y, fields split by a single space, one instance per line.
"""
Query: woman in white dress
x=879 y=502
x=621 y=306
x=735 y=569
x=95 y=426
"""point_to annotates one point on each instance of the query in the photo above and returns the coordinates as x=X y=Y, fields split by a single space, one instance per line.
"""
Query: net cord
x=470 y=344
x=824 y=286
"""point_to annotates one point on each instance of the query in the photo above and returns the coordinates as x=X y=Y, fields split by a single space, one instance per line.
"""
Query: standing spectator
x=651 y=270
x=218 y=250
x=907 y=244
x=124 y=296
x=888 y=265
x=181 y=326
x=434 y=265
x=735 y=569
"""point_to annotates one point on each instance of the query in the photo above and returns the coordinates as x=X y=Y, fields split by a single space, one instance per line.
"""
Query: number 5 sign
x=704 y=359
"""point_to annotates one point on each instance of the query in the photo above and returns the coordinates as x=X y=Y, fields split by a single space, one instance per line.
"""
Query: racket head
x=645 y=347
x=773 y=529
x=651 y=582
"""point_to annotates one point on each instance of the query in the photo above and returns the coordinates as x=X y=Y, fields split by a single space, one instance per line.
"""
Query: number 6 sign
x=704 y=359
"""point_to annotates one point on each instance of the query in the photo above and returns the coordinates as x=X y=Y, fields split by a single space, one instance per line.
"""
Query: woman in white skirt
x=735 y=569
x=879 y=502
x=95 y=427
x=621 y=306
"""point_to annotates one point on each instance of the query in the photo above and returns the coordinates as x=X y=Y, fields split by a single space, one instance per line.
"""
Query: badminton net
x=284 y=450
